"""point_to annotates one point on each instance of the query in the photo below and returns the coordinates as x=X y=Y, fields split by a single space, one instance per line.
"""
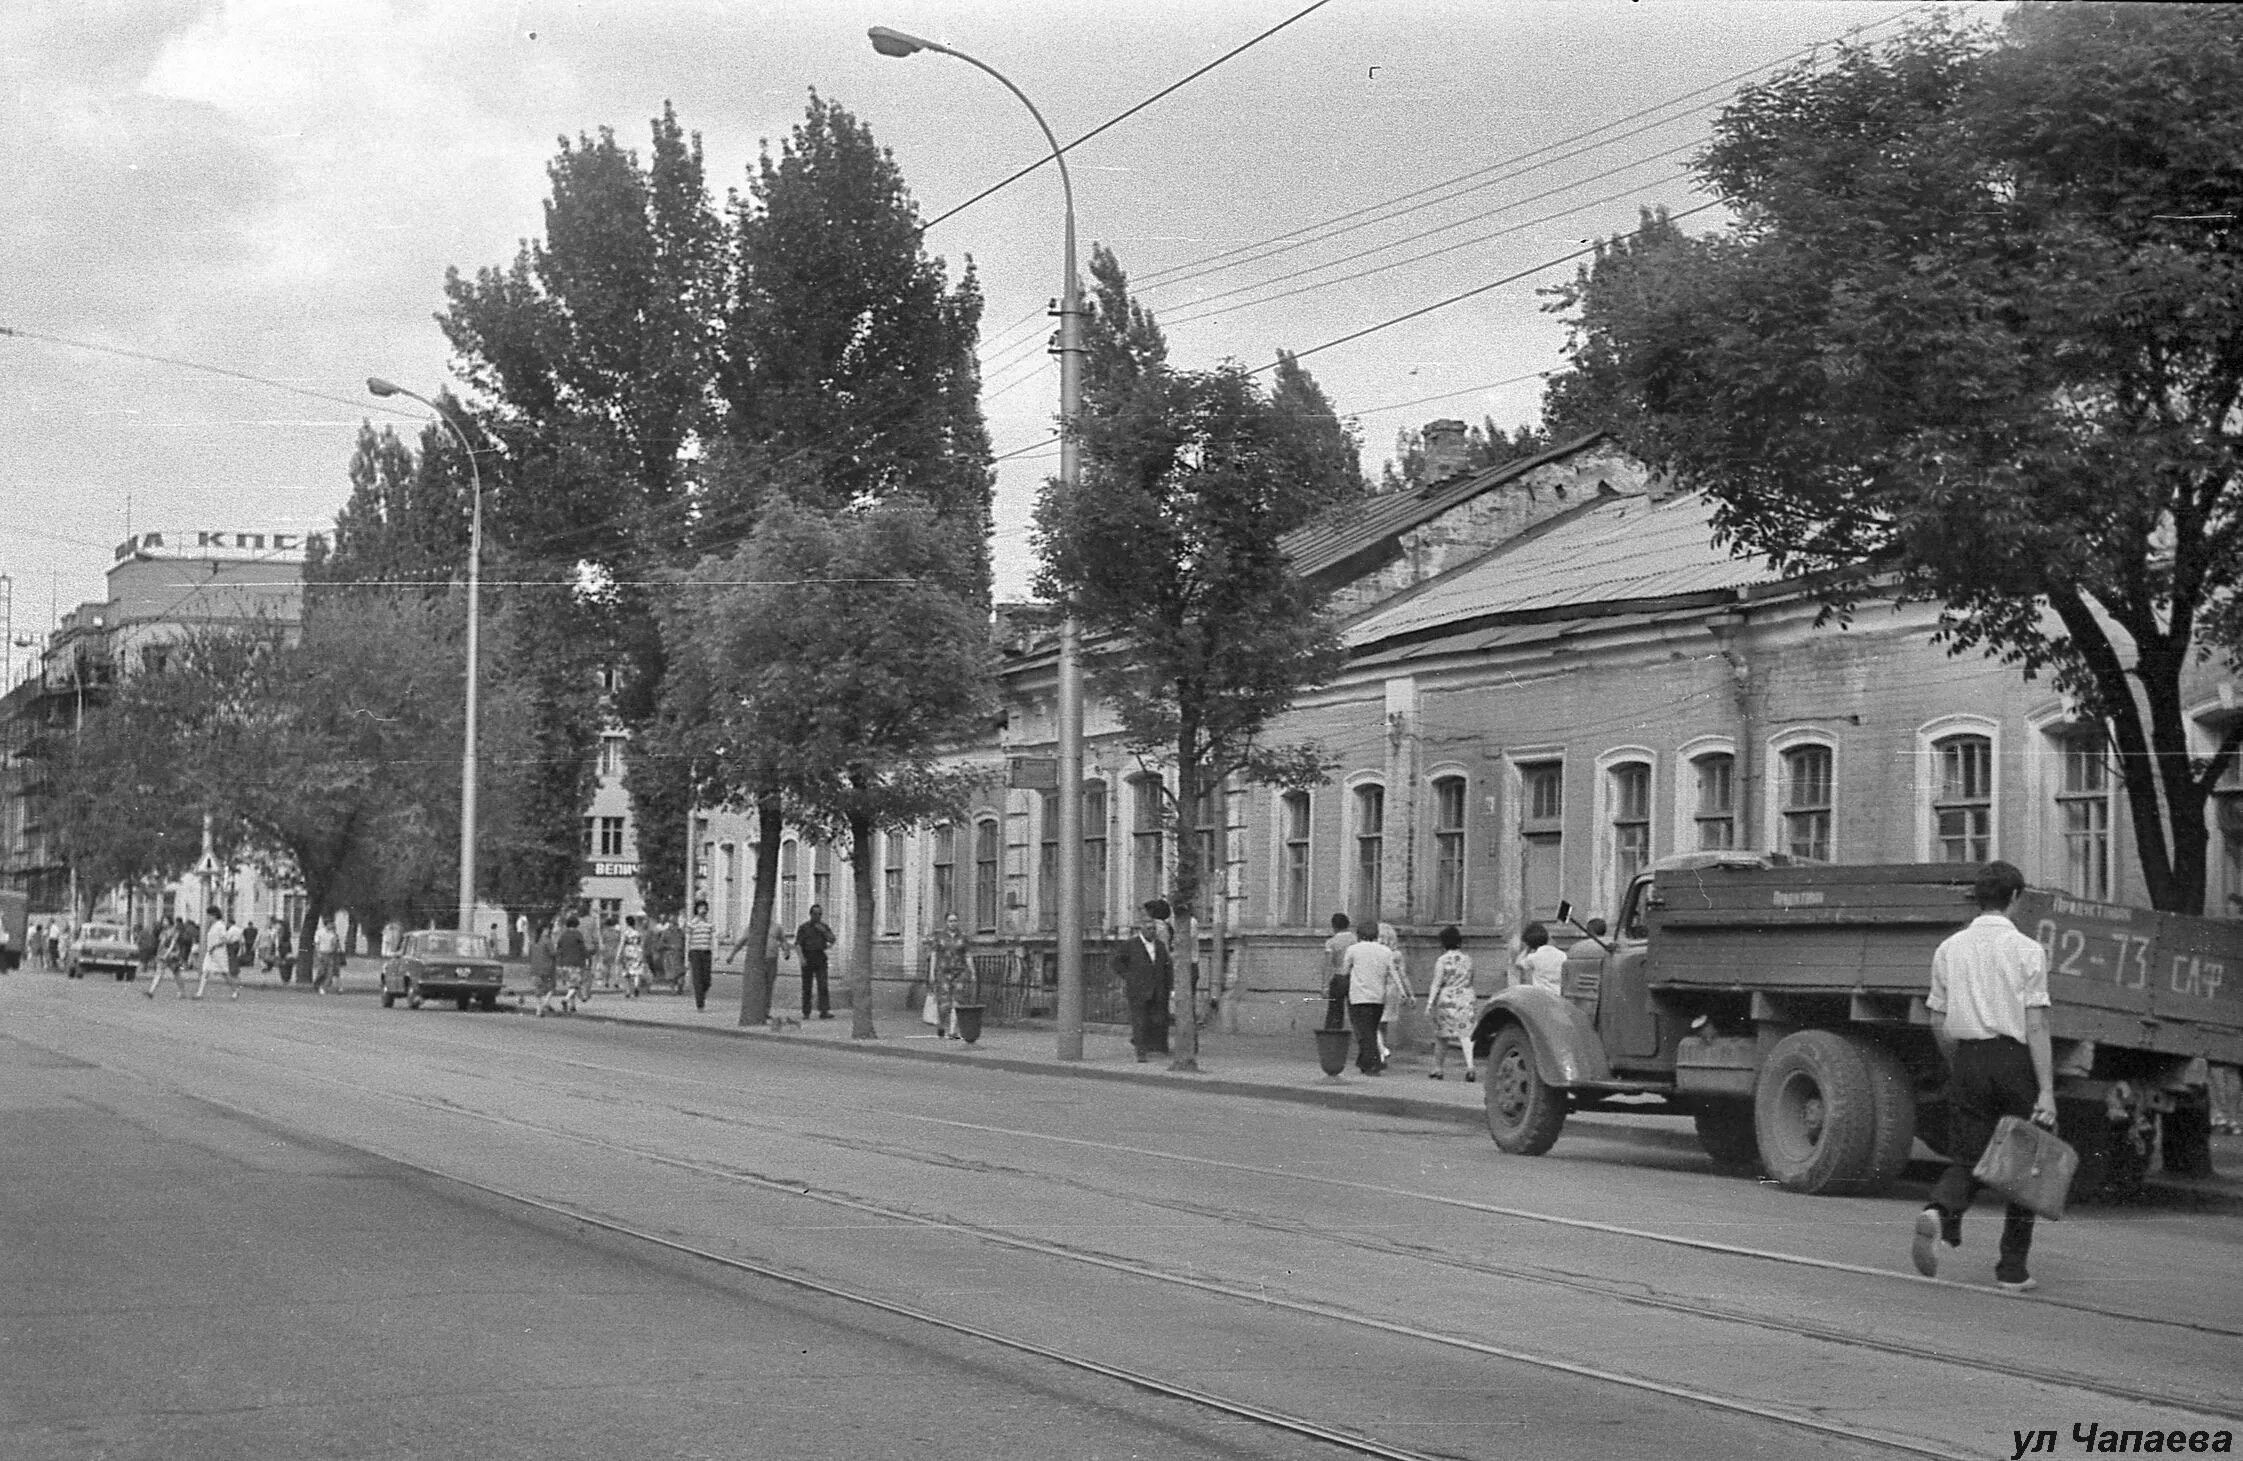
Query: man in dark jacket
x=813 y=938
x=1146 y=975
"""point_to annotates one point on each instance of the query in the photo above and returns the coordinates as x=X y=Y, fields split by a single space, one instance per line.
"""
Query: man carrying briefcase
x=1989 y=994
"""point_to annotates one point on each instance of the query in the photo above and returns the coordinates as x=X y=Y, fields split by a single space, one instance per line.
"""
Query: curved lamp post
x=895 y=43
x=382 y=387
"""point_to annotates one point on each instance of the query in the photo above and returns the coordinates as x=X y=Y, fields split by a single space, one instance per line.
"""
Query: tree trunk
x=1183 y=1038
x=861 y=876
x=755 y=987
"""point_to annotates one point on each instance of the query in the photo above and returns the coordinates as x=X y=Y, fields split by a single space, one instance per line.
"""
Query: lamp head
x=382 y=387
x=894 y=42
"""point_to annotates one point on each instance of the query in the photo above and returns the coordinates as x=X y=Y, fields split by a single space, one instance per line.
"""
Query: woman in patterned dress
x=1450 y=1002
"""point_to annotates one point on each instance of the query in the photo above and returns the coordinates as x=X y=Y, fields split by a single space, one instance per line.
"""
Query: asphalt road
x=287 y=1226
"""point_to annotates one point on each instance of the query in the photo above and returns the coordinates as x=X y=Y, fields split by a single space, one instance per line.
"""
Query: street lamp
x=382 y=387
x=895 y=43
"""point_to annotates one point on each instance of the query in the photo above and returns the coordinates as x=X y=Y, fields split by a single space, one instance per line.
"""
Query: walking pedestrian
x=813 y=938
x=951 y=970
x=1989 y=992
x=1335 y=977
x=144 y=950
x=1370 y=969
x=609 y=955
x=327 y=957
x=1450 y=1001
x=171 y=956
x=283 y=945
x=572 y=958
x=700 y=951
x=1147 y=975
x=544 y=969
x=669 y=953
x=1399 y=994
x=219 y=950
x=630 y=957
x=248 y=958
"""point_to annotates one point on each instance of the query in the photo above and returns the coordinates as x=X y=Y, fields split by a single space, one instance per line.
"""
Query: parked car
x=436 y=964
x=109 y=946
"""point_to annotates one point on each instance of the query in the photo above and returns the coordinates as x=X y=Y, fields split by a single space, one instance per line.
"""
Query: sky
x=225 y=214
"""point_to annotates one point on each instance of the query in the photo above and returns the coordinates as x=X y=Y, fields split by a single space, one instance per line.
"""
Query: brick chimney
x=1445 y=450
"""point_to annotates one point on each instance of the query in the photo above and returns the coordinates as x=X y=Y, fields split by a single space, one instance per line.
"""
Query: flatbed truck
x=1780 y=1005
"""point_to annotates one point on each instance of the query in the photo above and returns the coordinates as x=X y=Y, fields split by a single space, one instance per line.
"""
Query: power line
x=1125 y=116
x=1161 y=278
x=1529 y=271
x=205 y=369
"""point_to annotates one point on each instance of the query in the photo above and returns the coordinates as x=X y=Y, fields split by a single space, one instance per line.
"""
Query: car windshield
x=437 y=944
x=101 y=932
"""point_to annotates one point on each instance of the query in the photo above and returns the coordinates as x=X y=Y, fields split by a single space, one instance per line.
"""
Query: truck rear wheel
x=1725 y=1131
x=1893 y=1090
x=1524 y=1114
x=1815 y=1113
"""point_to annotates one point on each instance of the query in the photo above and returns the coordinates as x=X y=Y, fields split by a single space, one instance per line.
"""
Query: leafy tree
x=122 y=808
x=848 y=365
x=851 y=664
x=309 y=752
x=407 y=517
x=1167 y=552
x=593 y=356
x=1976 y=338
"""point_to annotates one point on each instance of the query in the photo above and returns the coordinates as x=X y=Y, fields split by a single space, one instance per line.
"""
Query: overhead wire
x=1114 y=121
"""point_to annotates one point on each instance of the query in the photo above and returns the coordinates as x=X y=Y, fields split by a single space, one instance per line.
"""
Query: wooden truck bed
x=2127 y=976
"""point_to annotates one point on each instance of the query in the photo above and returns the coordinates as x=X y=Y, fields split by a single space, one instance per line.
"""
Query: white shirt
x=214 y=941
x=1369 y=967
x=1984 y=978
x=1544 y=968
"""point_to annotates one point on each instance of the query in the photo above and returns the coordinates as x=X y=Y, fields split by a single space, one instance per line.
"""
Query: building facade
x=162 y=586
x=1554 y=679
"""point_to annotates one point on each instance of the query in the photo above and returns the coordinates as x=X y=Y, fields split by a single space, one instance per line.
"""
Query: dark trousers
x=1148 y=1025
x=814 y=976
x=1365 y=1018
x=1989 y=1079
x=697 y=960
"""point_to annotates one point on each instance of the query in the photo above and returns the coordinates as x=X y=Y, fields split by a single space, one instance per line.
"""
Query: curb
x=2182 y=1193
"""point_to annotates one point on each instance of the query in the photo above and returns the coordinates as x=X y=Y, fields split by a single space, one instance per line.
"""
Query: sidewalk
x=1267 y=1067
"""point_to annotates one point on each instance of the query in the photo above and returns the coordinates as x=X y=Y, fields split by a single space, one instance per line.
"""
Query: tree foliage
x=835 y=671
x=1167 y=551
x=1976 y=337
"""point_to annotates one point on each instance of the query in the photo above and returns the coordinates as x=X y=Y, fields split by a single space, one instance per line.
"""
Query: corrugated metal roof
x=1346 y=531
x=1611 y=551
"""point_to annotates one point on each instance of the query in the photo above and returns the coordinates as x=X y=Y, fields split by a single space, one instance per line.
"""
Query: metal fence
x=1022 y=983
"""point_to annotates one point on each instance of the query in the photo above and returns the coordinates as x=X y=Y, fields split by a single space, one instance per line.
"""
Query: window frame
x=1296 y=841
x=1784 y=812
x=1451 y=844
x=1367 y=850
x=989 y=839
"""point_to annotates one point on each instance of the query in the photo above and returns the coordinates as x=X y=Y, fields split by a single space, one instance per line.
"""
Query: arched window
x=1370 y=852
x=945 y=863
x=1145 y=841
x=1714 y=803
x=2083 y=810
x=1448 y=849
x=1629 y=800
x=1094 y=854
x=1806 y=803
x=985 y=875
x=1047 y=861
x=891 y=882
x=1293 y=809
x=790 y=887
x=1541 y=837
x=1963 y=799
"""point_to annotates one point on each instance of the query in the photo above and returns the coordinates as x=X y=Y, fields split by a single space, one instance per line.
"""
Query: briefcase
x=2029 y=1165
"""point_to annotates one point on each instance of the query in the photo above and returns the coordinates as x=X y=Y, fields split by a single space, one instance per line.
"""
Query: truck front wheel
x=1524 y=1114
x=1815 y=1113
